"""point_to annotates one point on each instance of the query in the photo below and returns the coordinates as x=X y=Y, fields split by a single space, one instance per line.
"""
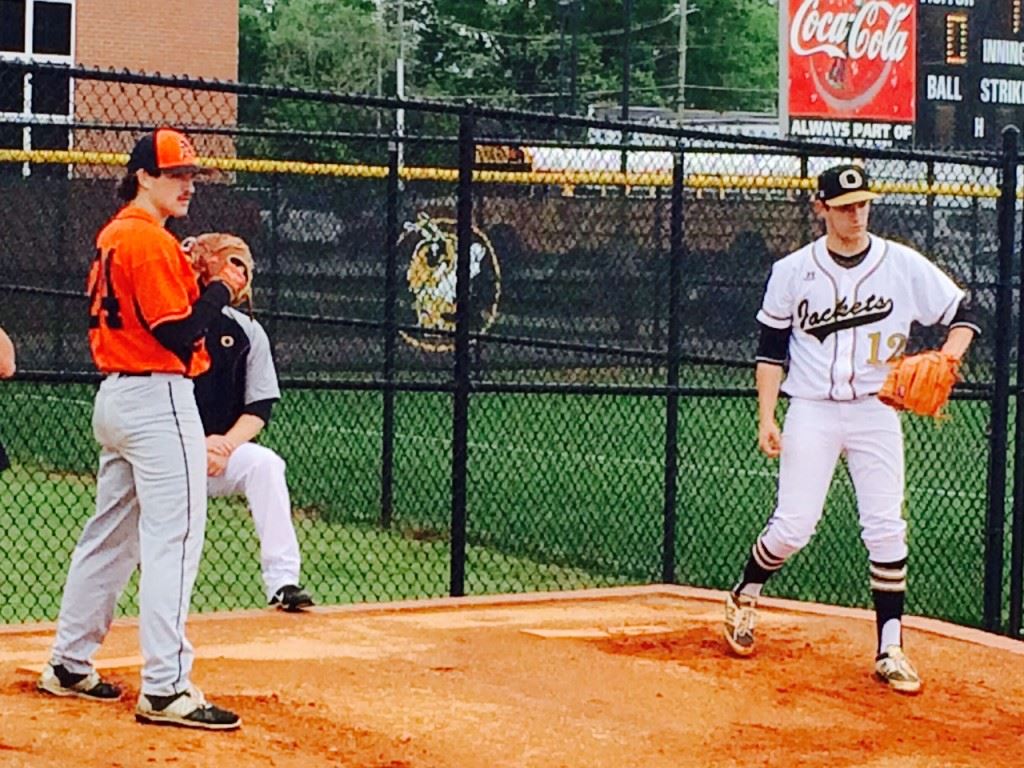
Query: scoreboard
x=926 y=73
x=970 y=72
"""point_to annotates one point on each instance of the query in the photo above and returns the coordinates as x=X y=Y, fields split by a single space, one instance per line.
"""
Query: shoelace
x=898 y=666
x=745 y=621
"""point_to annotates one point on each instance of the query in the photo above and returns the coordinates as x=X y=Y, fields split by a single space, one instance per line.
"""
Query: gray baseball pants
x=151 y=514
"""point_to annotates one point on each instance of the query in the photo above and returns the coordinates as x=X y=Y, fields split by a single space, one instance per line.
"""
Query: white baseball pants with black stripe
x=259 y=474
x=150 y=513
x=815 y=434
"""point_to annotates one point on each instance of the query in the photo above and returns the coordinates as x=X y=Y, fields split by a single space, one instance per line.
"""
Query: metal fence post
x=275 y=245
x=803 y=196
x=930 y=209
x=462 y=363
x=996 y=492
x=1017 y=540
x=676 y=250
x=387 y=448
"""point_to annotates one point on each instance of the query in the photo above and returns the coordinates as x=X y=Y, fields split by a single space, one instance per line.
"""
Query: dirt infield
x=606 y=678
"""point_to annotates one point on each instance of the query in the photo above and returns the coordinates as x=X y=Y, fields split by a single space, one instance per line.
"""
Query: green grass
x=42 y=513
x=563 y=491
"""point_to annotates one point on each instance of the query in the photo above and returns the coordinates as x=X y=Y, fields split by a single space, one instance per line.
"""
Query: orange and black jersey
x=140 y=279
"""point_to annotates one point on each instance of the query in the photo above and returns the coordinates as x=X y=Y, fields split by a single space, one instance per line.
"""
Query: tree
x=734 y=55
x=517 y=52
x=333 y=45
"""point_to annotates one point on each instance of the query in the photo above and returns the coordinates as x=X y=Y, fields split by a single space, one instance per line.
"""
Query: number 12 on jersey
x=101 y=293
x=897 y=343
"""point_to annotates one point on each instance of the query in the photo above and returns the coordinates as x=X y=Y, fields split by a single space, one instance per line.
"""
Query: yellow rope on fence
x=567 y=178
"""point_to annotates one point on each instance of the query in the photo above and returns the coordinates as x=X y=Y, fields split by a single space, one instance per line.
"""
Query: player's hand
x=220 y=445
x=215 y=464
x=234 y=277
x=769 y=439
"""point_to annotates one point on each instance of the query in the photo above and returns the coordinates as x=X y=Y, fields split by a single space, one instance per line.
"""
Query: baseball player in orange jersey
x=146 y=324
x=840 y=310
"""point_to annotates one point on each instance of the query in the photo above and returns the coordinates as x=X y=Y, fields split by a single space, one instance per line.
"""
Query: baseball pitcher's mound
x=616 y=678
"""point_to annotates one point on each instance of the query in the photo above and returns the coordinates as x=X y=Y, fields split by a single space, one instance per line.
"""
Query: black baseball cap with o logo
x=165 y=150
x=845 y=184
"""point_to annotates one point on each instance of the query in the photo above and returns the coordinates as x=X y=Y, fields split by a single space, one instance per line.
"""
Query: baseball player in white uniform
x=840 y=310
x=235 y=398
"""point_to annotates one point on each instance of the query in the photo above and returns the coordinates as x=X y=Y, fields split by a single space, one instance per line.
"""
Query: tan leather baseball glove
x=212 y=253
x=921 y=383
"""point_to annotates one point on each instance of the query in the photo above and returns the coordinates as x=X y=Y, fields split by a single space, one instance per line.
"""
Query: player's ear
x=819 y=207
x=145 y=178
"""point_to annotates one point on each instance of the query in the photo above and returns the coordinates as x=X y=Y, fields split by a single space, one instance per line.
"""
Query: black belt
x=128 y=373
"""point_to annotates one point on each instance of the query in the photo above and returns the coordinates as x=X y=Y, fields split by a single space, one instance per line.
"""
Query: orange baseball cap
x=165 y=149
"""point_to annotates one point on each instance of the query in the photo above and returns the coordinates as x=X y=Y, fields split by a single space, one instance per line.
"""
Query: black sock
x=760 y=566
x=888 y=591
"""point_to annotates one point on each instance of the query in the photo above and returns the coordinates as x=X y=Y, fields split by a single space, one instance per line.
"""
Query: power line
x=602 y=92
x=554 y=36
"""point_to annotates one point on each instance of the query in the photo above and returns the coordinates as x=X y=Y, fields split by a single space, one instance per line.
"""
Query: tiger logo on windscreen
x=432 y=280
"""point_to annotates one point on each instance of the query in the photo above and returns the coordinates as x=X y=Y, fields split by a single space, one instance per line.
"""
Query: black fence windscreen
x=577 y=411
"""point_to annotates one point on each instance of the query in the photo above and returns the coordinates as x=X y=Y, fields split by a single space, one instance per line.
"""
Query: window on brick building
x=36 y=109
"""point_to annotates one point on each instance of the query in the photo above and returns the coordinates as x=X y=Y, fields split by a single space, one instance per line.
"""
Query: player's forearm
x=7 y=365
x=179 y=335
x=958 y=341
x=769 y=380
x=245 y=429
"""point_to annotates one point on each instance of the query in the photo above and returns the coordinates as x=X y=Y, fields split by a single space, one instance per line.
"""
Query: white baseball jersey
x=847 y=324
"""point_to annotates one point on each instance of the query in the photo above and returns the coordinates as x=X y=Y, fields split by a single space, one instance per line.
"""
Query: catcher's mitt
x=921 y=383
x=211 y=251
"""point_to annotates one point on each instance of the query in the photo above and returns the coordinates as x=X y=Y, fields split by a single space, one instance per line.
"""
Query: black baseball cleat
x=188 y=709
x=291 y=598
x=58 y=681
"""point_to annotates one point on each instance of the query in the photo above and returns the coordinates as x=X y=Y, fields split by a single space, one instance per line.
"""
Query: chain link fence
x=575 y=410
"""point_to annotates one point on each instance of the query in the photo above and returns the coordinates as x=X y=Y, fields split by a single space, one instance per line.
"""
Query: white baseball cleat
x=740 y=618
x=895 y=670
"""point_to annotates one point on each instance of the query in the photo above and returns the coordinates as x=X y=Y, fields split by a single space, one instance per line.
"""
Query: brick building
x=198 y=38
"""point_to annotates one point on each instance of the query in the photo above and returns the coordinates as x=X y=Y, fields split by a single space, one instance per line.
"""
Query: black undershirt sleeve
x=179 y=336
x=773 y=345
x=966 y=316
x=260 y=409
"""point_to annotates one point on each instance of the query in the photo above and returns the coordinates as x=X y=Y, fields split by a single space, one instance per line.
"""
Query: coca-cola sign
x=852 y=59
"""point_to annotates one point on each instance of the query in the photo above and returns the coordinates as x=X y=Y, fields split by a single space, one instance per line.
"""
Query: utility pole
x=627 y=55
x=562 y=9
x=574 y=54
x=681 y=100
x=400 y=84
x=379 y=15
